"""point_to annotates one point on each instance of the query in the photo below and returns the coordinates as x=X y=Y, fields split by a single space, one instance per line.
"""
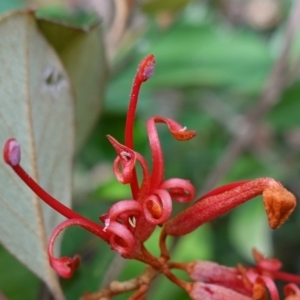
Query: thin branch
x=277 y=82
x=234 y=123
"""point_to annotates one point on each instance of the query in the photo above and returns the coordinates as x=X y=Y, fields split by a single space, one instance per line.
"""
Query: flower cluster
x=239 y=283
x=129 y=223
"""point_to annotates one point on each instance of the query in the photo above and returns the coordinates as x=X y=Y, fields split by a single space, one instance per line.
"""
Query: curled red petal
x=270 y=265
x=65 y=266
x=157 y=207
x=124 y=206
x=12 y=152
x=178 y=131
x=264 y=281
x=124 y=164
x=128 y=207
x=121 y=239
x=123 y=170
x=266 y=264
x=180 y=190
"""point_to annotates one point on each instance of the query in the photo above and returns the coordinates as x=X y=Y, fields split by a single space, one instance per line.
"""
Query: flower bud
x=278 y=202
x=211 y=272
x=207 y=291
x=12 y=152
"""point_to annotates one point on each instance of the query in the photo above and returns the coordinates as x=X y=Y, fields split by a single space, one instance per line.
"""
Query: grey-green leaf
x=82 y=53
x=36 y=107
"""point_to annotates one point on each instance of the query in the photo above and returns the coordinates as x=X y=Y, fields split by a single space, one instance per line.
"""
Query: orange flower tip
x=184 y=134
x=65 y=266
x=279 y=204
x=259 y=291
x=146 y=68
x=12 y=152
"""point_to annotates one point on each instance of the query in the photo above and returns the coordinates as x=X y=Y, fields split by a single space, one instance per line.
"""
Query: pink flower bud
x=207 y=291
x=210 y=272
x=12 y=152
x=146 y=68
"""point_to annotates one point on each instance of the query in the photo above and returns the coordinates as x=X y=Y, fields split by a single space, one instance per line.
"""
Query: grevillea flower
x=279 y=204
x=129 y=223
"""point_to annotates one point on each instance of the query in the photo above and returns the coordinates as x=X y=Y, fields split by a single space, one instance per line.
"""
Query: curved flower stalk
x=118 y=236
x=144 y=72
x=129 y=223
x=153 y=194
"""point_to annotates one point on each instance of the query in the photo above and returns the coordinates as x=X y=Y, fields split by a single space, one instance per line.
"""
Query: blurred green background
x=213 y=61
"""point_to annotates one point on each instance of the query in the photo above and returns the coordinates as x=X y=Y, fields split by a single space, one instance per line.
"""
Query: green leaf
x=82 y=53
x=195 y=246
x=18 y=280
x=6 y=5
x=156 y=6
x=111 y=190
x=196 y=55
x=285 y=115
x=248 y=229
x=37 y=109
x=214 y=58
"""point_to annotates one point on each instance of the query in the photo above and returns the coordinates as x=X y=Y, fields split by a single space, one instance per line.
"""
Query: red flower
x=130 y=222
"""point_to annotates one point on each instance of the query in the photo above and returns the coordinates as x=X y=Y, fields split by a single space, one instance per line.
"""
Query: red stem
x=129 y=129
x=144 y=72
x=286 y=277
x=157 y=154
x=55 y=204
x=39 y=191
